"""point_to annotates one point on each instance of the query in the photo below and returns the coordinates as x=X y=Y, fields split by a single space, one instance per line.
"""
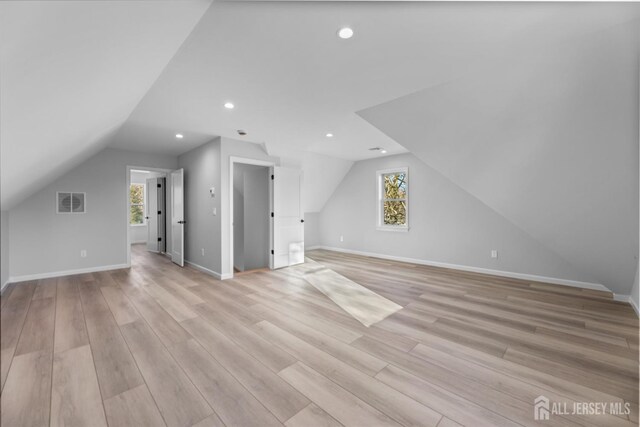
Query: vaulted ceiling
x=548 y=139
x=530 y=107
x=71 y=73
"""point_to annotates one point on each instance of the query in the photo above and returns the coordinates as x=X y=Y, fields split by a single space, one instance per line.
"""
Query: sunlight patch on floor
x=363 y=304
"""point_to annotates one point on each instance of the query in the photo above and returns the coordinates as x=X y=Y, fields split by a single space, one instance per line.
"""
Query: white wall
x=547 y=139
x=312 y=235
x=256 y=218
x=208 y=166
x=233 y=148
x=202 y=228
x=322 y=174
x=4 y=248
x=50 y=243
x=447 y=224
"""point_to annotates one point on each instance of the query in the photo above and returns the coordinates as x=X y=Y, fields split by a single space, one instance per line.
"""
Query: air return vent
x=71 y=203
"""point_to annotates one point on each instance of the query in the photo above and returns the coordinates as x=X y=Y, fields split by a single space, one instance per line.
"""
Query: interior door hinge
x=159 y=239
x=271 y=251
x=271 y=214
x=272 y=177
x=159 y=185
x=159 y=212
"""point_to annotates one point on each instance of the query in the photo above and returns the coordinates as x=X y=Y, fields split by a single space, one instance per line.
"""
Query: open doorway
x=251 y=217
x=148 y=212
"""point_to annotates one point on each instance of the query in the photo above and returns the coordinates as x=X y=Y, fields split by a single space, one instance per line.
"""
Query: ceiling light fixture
x=229 y=105
x=179 y=135
x=383 y=151
x=329 y=135
x=345 y=33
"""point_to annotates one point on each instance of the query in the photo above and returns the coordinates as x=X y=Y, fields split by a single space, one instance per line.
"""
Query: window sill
x=137 y=225
x=395 y=229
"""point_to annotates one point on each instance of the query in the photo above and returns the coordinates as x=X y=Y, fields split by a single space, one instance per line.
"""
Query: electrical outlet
x=342 y=238
x=83 y=253
x=202 y=251
x=494 y=253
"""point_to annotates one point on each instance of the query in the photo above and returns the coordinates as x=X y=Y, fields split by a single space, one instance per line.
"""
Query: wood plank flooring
x=159 y=345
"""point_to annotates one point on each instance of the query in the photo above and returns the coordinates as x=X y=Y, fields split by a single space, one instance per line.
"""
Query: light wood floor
x=160 y=345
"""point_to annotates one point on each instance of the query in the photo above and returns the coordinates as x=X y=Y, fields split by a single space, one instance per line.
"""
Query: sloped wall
x=46 y=243
x=447 y=224
x=548 y=139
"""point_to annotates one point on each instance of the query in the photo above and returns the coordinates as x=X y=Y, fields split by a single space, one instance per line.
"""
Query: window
x=393 y=206
x=136 y=198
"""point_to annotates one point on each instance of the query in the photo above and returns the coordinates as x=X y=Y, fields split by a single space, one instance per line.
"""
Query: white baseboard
x=628 y=300
x=27 y=277
x=4 y=286
x=634 y=304
x=209 y=272
x=522 y=276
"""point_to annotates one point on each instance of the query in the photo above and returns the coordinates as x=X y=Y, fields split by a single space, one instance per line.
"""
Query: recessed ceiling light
x=345 y=33
x=329 y=135
x=229 y=105
x=179 y=135
x=383 y=151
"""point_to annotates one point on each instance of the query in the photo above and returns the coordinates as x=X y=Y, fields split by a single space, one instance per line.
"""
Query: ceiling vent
x=71 y=203
x=375 y=149
x=241 y=132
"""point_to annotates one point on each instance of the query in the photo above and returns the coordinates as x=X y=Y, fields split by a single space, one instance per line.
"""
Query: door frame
x=127 y=214
x=246 y=161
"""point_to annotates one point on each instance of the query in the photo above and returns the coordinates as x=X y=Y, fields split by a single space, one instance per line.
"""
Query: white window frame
x=144 y=204
x=381 y=226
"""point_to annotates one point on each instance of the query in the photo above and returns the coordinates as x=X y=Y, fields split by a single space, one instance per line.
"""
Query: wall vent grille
x=71 y=203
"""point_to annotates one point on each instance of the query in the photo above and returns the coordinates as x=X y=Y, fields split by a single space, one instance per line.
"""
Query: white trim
x=128 y=206
x=628 y=300
x=634 y=305
x=513 y=275
x=380 y=226
x=4 y=286
x=209 y=272
x=393 y=228
x=246 y=161
x=39 y=276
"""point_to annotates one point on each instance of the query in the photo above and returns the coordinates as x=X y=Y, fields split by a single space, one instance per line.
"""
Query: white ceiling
x=293 y=80
x=548 y=139
x=71 y=73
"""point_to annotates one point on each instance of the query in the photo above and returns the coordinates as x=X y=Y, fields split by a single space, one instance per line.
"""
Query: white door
x=152 y=219
x=177 y=217
x=288 y=222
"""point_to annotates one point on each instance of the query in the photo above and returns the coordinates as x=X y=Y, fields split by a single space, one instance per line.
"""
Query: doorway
x=151 y=205
x=251 y=217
